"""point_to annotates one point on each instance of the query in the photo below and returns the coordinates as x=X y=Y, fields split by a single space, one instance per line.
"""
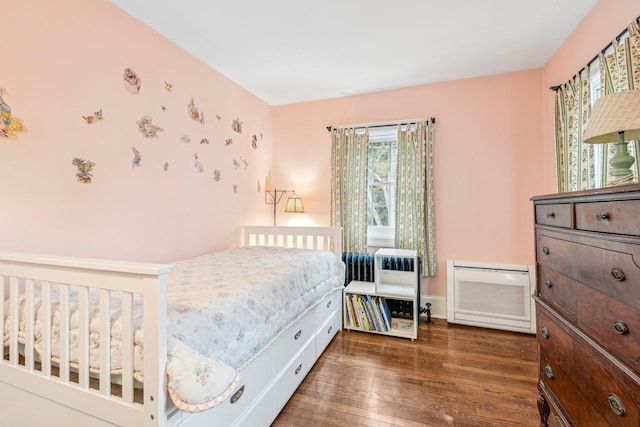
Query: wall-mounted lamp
x=273 y=197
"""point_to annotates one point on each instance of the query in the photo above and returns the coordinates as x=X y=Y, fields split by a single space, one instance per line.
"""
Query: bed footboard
x=57 y=296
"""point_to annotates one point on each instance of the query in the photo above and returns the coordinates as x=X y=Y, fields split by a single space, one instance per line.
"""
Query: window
x=381 y=186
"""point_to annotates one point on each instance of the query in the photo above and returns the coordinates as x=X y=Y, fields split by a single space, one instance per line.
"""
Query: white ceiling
x=288 y=51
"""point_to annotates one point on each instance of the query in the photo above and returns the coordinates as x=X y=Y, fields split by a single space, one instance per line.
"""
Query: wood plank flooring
x=452 y=375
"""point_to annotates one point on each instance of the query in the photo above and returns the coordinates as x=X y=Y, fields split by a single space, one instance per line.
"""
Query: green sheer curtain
x=575 y=163
x=414 y=193
x=620 y=71
x=349 y=162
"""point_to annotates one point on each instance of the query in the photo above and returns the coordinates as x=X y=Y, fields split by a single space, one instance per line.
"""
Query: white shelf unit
x=396 y=278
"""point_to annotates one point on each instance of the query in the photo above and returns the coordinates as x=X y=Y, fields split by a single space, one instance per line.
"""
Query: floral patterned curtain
x=349 y=162
x=414 y=193
x=575 y=167
x=620 y=71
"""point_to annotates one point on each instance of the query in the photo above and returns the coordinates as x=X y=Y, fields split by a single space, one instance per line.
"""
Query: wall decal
x=236 y=125
x=95 y=117
x=185 y=139
x=137 y=158
x=168 y=86
x=235 y=188
x=217 y=176
x=259 y=187
x=84 y=170
x=165 y=166
x=236 y=164
x=131 y=81
x=218 y=117
x=254 y=142
x=194 y=113
x=260 y=135
x=244 y=162
x=204 y=141
x=148 y=129
x=229 y=141
x=9 y=124
x=163 y=108
x=197 y=164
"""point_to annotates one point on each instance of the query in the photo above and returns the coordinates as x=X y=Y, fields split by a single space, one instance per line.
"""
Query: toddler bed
x=223 y=339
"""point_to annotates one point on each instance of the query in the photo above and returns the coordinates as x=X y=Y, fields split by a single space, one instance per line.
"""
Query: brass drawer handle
x=545 y=250
x=237 y=395
x=550 y=214
x=602 y=216
x=620 y=327
x=618 y=274
x=298 y=369
x=545 y=332
x=297 y=336
x=548 y=371
x=547 y=284
x=616 y=405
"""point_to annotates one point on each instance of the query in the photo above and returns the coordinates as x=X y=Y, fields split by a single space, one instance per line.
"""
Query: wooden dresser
x=588 y=307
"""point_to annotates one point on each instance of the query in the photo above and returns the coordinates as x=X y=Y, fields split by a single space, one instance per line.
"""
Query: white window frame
x=381 y=236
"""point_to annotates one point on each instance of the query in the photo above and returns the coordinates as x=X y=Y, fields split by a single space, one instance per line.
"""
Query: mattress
x=223 y=310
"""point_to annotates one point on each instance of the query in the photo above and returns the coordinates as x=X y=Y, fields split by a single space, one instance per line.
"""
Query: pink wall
x=487 y=160
x=62 y=62
x=605 y=21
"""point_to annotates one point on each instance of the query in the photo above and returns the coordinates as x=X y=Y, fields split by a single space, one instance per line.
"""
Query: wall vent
x=490 y=295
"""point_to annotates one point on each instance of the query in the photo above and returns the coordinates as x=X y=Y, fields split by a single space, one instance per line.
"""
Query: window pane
x=379 y=215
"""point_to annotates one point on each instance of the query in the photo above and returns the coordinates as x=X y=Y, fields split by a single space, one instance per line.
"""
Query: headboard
x=321 y=238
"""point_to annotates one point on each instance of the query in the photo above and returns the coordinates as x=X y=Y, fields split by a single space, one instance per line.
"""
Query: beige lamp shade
x=294 y=204
x=612 y=114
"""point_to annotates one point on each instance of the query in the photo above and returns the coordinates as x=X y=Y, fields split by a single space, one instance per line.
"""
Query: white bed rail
x=320 y=238
x=30 y=281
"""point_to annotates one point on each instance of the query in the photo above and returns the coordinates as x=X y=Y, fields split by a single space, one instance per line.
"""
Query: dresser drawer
x=559 y=291
x=614 y=325
x=620 y=217
x=608 y=267
x=585 y=378
x=558 y=215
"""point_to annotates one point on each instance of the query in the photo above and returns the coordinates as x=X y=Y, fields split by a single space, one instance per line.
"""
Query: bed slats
x=319 y=238
x=82 y=289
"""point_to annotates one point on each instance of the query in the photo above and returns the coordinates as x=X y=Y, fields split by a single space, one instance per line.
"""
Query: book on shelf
x=372 y=313
x=402 y=325
x=384 y=311
x=363 y=311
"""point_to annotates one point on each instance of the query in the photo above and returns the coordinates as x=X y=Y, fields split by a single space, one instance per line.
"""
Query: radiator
x=494 y=296
x=359 y=266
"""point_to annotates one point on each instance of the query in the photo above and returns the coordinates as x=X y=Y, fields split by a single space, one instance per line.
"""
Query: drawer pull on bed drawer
x=237 y=395
x=545 y=250
x=298 y=369
x=620 y=327
x=330 y=329
x=602 y=216
x=616 y=405
x=618 y=274
x=548 y=371
x=547 y=284
x=329 y=304
x=545 y=332
x=550 y=214
x=298 y=334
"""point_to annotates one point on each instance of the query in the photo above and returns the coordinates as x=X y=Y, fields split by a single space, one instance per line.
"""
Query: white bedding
x=223 y=310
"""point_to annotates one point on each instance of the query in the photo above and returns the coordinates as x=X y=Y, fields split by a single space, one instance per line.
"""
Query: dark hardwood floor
x=452 y=375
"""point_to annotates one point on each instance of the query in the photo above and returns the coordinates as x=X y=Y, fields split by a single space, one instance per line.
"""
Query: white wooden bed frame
x=30 y=394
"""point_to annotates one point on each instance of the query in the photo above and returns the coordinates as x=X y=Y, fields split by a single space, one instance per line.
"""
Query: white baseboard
x=438 y=305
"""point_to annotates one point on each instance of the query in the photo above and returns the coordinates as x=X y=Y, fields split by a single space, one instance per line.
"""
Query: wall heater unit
x=491 y=295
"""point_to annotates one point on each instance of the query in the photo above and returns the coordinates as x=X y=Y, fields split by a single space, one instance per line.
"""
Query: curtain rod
x=380 y=124
x=617 y=38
